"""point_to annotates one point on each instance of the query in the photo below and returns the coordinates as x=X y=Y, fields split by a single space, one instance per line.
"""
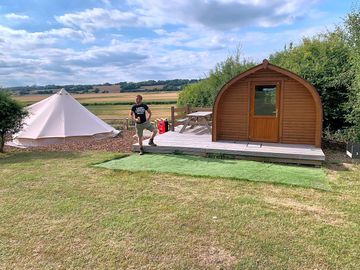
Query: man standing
x=140 y=113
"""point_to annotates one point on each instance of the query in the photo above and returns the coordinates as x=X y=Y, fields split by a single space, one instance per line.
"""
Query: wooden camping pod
x=268 y=104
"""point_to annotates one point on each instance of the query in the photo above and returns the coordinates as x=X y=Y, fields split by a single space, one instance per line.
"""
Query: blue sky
x=88 y=41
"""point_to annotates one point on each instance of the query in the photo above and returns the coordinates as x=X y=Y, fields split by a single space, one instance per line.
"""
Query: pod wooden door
x=264 y=112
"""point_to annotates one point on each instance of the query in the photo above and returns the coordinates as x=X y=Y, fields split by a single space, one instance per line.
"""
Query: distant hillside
x=151 y=85
x=113 y=88
x=144 y=86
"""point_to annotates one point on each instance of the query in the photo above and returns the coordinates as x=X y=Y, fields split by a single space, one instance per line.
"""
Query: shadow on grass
x=115 y=157
x=211 y=158
x=17 y=157
x=226 y=159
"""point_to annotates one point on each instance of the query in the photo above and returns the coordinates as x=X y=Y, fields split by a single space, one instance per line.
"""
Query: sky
x=97 y=41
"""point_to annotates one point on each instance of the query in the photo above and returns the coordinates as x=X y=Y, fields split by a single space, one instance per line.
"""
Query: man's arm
x=132 y=116
x=149 y=114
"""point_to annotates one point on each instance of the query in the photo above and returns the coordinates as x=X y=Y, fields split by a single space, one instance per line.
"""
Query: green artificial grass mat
x=222 y=168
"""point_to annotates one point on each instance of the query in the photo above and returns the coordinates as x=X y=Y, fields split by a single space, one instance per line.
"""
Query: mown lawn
x=58 y=211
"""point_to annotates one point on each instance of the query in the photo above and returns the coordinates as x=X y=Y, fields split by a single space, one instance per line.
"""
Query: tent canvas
x=60 y=118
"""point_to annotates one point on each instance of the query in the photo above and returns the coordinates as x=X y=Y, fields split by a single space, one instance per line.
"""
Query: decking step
x=192 y=143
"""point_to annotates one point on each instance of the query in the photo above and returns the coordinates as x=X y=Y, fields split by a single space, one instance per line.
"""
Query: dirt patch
x=216 y=258
x=335 y=167
x=320 y=213
x=336 y=156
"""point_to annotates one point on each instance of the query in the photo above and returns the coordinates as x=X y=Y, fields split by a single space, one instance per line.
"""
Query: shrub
x=324 y=61
x=352 y=27
x=11 y=116
x=203 y=93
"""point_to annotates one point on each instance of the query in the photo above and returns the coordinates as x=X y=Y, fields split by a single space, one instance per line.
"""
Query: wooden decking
x=197 y=141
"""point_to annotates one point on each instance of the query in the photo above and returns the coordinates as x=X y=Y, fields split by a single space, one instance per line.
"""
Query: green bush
x=11 y=116
x=340 y=135
x=352 y=28
x=203 y=93
x=324 y=61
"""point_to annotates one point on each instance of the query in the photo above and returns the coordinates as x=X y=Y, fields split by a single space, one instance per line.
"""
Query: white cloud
x=104 y=56
x=212 y=14
x=14 y=38
x=222 y=14
x=84 y=36
x=13 y=16
x=98 y=18
x=17 y=39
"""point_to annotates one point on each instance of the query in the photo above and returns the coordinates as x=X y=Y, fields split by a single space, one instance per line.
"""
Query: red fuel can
x=161 y=126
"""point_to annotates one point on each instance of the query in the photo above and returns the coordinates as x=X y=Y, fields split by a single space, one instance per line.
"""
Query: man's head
x=138 y=99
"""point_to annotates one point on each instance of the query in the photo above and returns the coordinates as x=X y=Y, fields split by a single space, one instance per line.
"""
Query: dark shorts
x=140 y=128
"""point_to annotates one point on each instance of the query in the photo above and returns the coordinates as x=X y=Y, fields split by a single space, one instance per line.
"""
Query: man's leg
x=153 y=134
x=140 y=141
x=139 y=133
x=153 y=130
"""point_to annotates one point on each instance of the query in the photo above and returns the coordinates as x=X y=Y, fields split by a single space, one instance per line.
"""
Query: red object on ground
x=161 y=126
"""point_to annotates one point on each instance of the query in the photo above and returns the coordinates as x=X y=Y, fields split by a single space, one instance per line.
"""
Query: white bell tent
x=58 y=119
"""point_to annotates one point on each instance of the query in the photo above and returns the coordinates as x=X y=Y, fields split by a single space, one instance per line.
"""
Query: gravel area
x=122 y=144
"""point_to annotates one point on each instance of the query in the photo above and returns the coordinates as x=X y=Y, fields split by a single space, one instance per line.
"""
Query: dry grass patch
x=212 y=257
x=311 y=211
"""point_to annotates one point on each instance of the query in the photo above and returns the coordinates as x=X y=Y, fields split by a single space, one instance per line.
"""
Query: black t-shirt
x=140 y=111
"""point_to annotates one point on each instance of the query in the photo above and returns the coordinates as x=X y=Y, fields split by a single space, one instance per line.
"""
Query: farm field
x=110 y=88
x=108 y=97
x=110 y=111
x=122 y=111
x=59 y=211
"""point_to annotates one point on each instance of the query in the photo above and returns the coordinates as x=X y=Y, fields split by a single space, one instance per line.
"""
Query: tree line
x=160 y=85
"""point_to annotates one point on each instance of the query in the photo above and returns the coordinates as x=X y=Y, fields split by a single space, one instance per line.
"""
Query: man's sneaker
x=141 y=151
x=151 y=143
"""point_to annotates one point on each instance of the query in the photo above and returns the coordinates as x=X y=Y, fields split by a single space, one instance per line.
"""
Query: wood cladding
x=299 y=114
x=233 y=113
x=265 y=75
x=300 y=111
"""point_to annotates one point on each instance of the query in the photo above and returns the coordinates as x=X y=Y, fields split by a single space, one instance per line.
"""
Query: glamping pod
x=58 y=119
x=268 y=104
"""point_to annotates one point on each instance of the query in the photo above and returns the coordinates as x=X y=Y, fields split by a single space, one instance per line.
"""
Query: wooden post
x=127 y=123
x=172 y=118
x=188 y=108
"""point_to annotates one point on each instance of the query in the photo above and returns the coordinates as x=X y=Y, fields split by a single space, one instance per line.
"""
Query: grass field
x=58 y=211
x=108 y=97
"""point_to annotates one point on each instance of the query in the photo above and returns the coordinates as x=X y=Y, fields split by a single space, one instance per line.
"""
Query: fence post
x=127 y=123
x=172 y=118
x=188 y=109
